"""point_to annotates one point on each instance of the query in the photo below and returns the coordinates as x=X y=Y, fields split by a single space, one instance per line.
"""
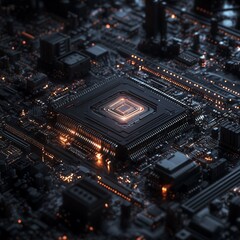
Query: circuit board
x=120 y=119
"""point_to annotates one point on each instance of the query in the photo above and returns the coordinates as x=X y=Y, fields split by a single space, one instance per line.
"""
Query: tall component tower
x=155 y=21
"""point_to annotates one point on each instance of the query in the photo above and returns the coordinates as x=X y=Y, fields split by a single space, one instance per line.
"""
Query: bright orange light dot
x=108 y=26
x=164 y=191
x=91 y=228
x=99 y=156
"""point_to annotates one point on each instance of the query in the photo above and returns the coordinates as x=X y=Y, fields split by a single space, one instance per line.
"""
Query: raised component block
x=122 y=119
x=74 y=65
x=53 y=46
x=176 y=173
x=230 y=137
x=85 y=201
x=96 y=51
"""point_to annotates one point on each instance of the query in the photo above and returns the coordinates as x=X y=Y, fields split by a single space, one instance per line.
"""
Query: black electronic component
x=36 y=82
x=73 y=65
x=150 y=218
x=224 y=49
x=53 y=46
x=215 y=133
x=119 y=107
x=204 y=225
x=237 y=26
x=22 y=166
x=162 y=21
x=125 y=214
x=151 y=20
x=12 y=55
x=177 y=173
x=202 y=61
x=196 y=41
x=96 y=51
x=85 y=201
x=155 y=19
x=187 y=58
x=230 y=137
x=234 y=210
x=233 y=66
x=174 y=49
x=217 y=169
x=214 y=27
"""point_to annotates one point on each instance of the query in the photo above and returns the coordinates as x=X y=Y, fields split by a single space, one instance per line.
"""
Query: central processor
x=121 y=118
x=123 y=108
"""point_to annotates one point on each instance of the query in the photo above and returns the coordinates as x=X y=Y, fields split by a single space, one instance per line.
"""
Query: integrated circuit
x=96 y=51
x=123 y=119
x=188 y=58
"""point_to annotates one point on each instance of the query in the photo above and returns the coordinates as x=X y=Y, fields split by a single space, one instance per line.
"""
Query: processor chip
x=122 y=118
x=124 y=109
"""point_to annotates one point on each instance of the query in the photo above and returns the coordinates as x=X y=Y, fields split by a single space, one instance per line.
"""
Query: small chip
x=96 y=51
x=187 y=58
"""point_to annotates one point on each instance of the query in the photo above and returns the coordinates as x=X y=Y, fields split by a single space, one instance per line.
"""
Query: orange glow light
x=99 y=159
x=99 y=156
x=164 y=191
x=63 y=139
x=91 y=228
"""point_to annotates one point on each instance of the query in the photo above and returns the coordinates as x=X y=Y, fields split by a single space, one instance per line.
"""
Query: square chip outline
x=93 y=128
x=114 y=109
x=110 y=108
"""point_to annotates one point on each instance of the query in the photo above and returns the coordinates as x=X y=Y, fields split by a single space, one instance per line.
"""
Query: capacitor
x=73 y=20
x=215 y=206
x=214 y=133
x=125 y=214
x=237 y=26
x=151 y=18
x=224 y=49
x=196 y=41
x=163 y=20
x=175 y=48
x=214 y=27
x=202 y=61
x=234 y=209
